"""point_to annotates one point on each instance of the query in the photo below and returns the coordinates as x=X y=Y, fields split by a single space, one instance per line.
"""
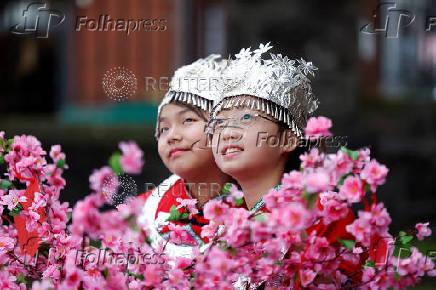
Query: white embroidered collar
x=147 y=219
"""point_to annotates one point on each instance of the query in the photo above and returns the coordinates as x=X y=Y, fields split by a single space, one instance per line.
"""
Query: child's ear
x=289 y=143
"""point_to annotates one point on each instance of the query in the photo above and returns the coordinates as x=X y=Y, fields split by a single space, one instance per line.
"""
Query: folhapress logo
x=389 y=21
x=38 y=20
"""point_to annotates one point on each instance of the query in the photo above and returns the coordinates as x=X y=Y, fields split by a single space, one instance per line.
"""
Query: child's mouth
x=177 y=152
x=231 y=150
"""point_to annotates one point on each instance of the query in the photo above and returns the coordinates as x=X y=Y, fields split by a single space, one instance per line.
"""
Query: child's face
x=242 y=147
x=182 y=141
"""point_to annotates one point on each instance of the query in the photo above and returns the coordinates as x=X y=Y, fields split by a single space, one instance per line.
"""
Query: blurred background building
x=376 y=78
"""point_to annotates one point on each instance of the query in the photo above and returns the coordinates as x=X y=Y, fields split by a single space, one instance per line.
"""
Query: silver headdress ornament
x=195 y=84
x=280 y=87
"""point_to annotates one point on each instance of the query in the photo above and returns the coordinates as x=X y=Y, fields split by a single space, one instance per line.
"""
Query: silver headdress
x=280 y=87
x=195 y=84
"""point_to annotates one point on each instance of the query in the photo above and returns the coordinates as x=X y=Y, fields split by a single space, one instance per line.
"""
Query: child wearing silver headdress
x=262 y=100
x=182 y=116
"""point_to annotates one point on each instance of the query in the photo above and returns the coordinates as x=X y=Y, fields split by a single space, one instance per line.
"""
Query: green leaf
x=310 y=198
x=239 y=201
x=230 y=249
x=226 y=188
x=44 y=248
x=367 y=188
x=174 y=214
x=95 y=243
x=402 y=233
x=114 y=163
x=16 y=210
x=184 y=215
x=397 y=276
x=131 y=221
x=69 y=215
x=295 y=276
x=60 y=164
x=346 y=243
x=354 y=155
x=5 y=184
x=368 y=264
x=405 y=239
x=105 y=273
x=259 y=217
x=402 y=251
x=137 y=276
x=20 y=279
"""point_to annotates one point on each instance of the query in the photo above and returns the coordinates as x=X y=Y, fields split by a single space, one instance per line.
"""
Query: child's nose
x=174 y=135
x=231 y=133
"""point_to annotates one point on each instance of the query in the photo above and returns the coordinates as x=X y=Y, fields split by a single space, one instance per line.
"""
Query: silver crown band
x=273 y=110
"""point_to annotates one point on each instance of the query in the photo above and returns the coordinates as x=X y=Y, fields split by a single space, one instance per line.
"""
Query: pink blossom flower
x=221 y=263
x=2 y=136
x=176 y=276
x=351 y=189
x=379 y=218
x=423 y=230
x=293 y=180
x=374 y=174
x=182 y=262
x=52 y=272
x=7 y=280
x=189 y=204
x=178 y=234
x=31 y=219
x=105 y=181
x=153 y=275
x=364 y=157
x=215 y=210
x=235 y=192
x=74 y=277
x=357 y=250
x=277 y=198
x=310 y=159
x=338 y=164
x=318 y=127
x=13 y=198
x=360 y=229
x=320 y=250
x=42 y=285
x=55 y=176
x=56 y=154
x=6 y=244
x=316 y=180
x=132 y=157
x=307 y=277
x=209 y=230
x=334 y=210
x=293 y=217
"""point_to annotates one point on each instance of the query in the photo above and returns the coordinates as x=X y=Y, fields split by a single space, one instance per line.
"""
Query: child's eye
x=163 y=129
x=246 y=116
x=188 y=120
